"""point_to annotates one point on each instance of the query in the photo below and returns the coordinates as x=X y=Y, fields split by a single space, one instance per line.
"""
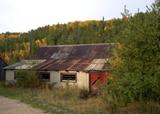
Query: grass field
x=68 y=101
x=56 y=101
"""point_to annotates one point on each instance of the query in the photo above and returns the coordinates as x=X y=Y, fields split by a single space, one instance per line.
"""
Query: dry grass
x=68 y=101
x=57 y=101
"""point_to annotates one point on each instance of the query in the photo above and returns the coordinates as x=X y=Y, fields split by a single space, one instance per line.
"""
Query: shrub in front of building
x=27 y=79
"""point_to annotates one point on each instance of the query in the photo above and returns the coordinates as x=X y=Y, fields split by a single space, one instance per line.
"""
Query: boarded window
x=68 y=77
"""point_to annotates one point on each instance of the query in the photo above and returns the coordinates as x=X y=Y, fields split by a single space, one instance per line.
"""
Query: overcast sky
x=24 y=15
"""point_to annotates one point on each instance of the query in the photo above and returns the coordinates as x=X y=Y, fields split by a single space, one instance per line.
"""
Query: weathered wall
x=9 y=75
x=82 y=79
x=54 y=77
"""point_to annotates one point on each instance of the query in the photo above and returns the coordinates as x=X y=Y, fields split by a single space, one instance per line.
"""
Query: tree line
x=13 y=49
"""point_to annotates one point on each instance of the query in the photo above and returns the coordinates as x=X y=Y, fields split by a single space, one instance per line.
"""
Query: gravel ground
x=10 y=106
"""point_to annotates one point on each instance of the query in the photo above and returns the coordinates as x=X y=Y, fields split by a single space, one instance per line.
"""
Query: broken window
x=68 y=77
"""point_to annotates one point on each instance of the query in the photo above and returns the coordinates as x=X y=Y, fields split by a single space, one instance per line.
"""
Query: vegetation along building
x=2 y=65
x=81 y=65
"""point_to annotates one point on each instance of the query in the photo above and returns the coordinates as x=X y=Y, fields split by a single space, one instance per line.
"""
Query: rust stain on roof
x=73 y=57
x=74 y=51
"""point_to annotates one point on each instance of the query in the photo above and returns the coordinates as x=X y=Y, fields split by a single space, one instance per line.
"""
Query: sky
x=24 y=15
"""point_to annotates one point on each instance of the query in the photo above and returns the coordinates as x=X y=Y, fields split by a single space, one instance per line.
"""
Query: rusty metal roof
x=84 y=57
x=73 y=57
x=85 y=51
x=24 y=64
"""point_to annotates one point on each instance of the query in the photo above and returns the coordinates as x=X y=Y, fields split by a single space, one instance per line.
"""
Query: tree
x=136 y=61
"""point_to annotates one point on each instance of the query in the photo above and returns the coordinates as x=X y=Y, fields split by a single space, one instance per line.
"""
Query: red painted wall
x=97 y=79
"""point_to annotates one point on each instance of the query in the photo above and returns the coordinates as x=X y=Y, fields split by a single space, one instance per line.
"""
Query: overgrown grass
x=68 y=101
x=56 y=101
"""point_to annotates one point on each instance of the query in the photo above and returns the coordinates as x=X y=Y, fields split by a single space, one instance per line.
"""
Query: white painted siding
x=83 y=80
x=54 y=77
x=9 y=75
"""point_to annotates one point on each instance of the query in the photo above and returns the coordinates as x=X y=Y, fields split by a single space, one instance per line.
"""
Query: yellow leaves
x=9 y=56
x=38 y=43
x=44 y=41
x=41 y=42
x=11 y=35
x=2 y=36
x=6 y=57
x=23 y=52
x=79 y=23
x=26 y=45
x=109 y=26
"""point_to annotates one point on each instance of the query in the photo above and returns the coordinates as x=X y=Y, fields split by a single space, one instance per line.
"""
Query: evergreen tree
x=136 y=61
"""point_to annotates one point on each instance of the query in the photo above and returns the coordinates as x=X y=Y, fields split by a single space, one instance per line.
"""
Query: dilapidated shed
x=2 y=65
x=81 y=65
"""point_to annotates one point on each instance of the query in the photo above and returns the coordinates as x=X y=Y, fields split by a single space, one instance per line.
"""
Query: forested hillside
x=135 y=62
x=13 y=49
x=16 y=46
x=10 y=35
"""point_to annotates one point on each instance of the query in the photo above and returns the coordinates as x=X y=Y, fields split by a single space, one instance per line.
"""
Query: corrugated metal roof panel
x=96 y=64
x=24 y=64
x=74 y=51
x=70 y=57
x=13 y=66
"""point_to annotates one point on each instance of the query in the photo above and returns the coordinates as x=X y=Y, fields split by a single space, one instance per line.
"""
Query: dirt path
x=10 y=106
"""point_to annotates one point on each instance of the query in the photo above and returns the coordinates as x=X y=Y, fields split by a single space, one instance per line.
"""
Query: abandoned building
x=2 y=65
x=83 y=66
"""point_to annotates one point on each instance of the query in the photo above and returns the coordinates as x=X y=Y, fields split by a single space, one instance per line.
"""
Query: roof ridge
x=79 y=45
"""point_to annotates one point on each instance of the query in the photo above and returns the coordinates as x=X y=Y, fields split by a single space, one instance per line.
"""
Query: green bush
x=27 y=79
x=136 y=61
